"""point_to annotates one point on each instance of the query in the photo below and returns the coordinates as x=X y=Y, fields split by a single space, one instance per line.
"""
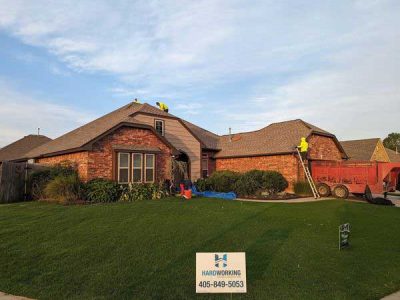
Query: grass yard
x=147 y=250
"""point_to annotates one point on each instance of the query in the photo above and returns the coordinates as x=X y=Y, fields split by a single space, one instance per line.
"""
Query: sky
x=218 y=64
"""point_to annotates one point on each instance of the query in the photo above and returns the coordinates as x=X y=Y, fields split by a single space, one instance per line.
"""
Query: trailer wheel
x=323 y=189
x=341 y=191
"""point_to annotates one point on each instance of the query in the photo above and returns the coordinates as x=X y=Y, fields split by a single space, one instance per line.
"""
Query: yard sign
x=221 y=272
x=344 y=235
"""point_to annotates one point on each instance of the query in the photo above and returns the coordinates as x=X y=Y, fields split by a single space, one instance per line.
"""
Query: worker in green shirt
x=303 y=148
x=162 y=106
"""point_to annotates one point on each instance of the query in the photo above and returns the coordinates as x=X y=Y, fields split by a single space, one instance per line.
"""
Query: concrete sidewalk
x=4 y=296
x=394 y=296
x=298 y=200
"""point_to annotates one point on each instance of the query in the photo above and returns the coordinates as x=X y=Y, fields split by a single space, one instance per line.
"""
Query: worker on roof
x=303 y=147
x=162 y=106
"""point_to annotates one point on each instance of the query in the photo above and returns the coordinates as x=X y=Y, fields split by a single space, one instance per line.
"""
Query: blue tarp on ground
x=211 y=194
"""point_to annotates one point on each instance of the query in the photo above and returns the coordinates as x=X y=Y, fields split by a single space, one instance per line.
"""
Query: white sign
x=221 y=272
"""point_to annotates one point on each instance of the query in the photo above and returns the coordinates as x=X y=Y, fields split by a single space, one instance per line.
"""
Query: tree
x=392 y=141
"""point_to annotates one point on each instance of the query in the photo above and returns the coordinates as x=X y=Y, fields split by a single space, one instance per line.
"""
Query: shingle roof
x=83 y=135
x=209 y=139
x=360 y=149
x=276 y=138
x=19 y=149
x=393 y=156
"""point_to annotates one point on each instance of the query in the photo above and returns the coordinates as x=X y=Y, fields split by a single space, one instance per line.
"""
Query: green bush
x=64 y=188
x=201 y=184
x=250 y=183
x=140 y=191
x=257 y=181
x=222 y=181
x=245 y=184
x=102 y=190
x=302 y=188
x=39 y=179
x=274 y=182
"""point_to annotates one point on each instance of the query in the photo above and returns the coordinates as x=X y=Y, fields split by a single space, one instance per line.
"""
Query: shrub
x=222 y=181
x=140 y=191
x=246 y=184
x=102 y=190
x=64 y=188
x=201 y=184
x=256 y=181
x=302 y=188
x=250 y=183
x=274 y=182
x=38 y=180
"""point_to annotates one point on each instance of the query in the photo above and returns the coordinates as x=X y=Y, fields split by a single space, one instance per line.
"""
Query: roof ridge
x=358 y=140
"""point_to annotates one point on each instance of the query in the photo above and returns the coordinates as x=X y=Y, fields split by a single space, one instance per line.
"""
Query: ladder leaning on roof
x=309 y=177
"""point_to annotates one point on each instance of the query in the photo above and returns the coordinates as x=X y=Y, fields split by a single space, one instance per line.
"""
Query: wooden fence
x=13 y=180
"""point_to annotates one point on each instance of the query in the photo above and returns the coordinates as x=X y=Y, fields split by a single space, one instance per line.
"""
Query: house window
x=204 y=165
x=149 y=167
x=123 y=167
x=160 y=127
x=137 y=167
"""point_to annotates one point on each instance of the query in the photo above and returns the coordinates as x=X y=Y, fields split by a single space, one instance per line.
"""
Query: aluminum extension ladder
x=309 y=177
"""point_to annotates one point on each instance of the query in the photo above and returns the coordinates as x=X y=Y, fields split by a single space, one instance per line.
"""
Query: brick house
x=139 y=143
x=17 y=151
x=366 y=150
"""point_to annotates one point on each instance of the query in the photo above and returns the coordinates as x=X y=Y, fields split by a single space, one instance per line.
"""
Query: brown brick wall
x=323 y=148
x=101 y=162
x=79 y=159
x=287 y=165
x=320 y=147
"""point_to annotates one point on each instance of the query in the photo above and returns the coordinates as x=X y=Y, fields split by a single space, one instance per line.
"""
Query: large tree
x=392 y=141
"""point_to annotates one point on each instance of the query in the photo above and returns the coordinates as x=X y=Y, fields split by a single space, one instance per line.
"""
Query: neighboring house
x=139 y=142
x=393 y=155
x=366 y=150
x=17 y=150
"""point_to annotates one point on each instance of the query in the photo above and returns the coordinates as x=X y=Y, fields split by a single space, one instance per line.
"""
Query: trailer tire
x=340 y=191
x=323 y=189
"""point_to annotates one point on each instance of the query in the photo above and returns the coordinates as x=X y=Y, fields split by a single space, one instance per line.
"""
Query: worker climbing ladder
x=308 y=176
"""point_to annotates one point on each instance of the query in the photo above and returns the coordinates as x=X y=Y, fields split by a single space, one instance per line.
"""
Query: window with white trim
x=123 y=167
x=137 y=167
x=149 y=163
x=159 y=126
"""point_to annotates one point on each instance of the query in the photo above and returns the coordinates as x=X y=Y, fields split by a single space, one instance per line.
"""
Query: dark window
x=159 y=125
x=204 y=165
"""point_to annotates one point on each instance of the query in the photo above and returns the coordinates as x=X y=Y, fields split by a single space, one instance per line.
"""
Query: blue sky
x=219 y=64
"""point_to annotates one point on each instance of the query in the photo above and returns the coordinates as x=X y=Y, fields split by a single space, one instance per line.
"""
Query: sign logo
x=221 y=260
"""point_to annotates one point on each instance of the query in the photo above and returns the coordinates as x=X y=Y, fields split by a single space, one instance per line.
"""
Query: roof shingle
x=19 y=149
x=276 y=138
x=360 y=149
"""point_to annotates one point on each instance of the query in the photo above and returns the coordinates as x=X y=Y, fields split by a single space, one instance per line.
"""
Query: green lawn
x=147 y=250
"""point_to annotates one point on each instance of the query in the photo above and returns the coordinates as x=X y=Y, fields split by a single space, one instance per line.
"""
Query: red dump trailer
x=340 y=178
